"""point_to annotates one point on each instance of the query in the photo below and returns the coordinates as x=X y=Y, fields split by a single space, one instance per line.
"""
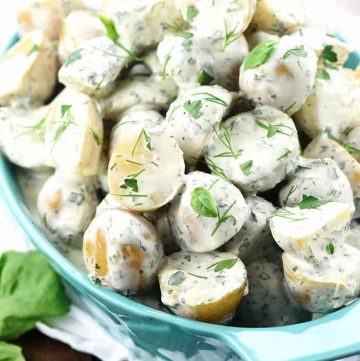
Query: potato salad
x=198 y=156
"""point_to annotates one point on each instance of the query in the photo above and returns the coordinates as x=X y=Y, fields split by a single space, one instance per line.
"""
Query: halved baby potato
x=66 y=204
x=123 y=251
x=74 y=134
x=206 y=287
x=207 y=213
x=255 y=150
x=146 y=167
x=192 y=117
x=28 y=71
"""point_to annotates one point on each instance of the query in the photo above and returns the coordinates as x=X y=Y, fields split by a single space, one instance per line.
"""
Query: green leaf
x=260 y=54
x=330 y=249
x=30 y=290
x=205 y=78
x=246 y=167
x=203 y=203
x=33 y=49
x=298 y=51
x=132 y=183
x=110 y=28
x=225 y=264
x=197 y=276
x=272 y=130
x=74 y=56
x=310 y=202
x=10 y=352
x=191 y=13
x=176 y=278
x=193 y=108
x=323 y=74
x=96 y=136
x=329 y=55
x=64 y=109
x=187 y=45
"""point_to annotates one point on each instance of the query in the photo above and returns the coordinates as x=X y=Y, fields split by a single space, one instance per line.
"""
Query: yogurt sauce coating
x=286 y=76
x=206 y=287
x=232 y=151
x=146 y=167
x=123 y=251
x=255 y=233
x=320 y=178
x=192 y=117
x=207 y=213
x=66 y=204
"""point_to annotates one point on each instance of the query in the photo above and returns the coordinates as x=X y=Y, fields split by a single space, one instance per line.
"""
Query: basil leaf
x=330 y=249
x=310 y=202
x=29 y=291
x=110 y=28
x=298 y=51
x=191 y=13
x=10 y=352
x=74 y=56
x=176 y=278
x=329 y=55
x=246 y=167
x=193 y=108
x=323 y=74
x=260 y=54
x=203 y=203
x=205 y=78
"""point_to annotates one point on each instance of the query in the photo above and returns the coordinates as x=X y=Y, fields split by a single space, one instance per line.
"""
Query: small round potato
x=352 y=139
x=269 y=302
x=28 y=71
x=217 y=19
x=66 y=204
x=320 y=289
x=278 y=16
x=193 y=116
x=142 y=24
x=123 y=251
x=22 y=136
x=255 y=150
x=283 y=77
x=323 y=147
x=327 y=109
x=206 y=287
x=146 y=167
x=311 y=233
x=74 y=134
x=78 y=27
x=320 y=178
x=207 y=213
x=188 y=60
x=254 y=235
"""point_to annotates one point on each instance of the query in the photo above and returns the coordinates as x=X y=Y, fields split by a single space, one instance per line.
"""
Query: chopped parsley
x=310 y=202
x=191 y=13
x=330 y=249
x=246 y=167
x=260 y=54
x=225 y=264
x=193 y=108
x=205 y=78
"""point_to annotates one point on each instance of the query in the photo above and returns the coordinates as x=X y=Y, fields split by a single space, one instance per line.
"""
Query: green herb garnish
x=147 y=138
x=260 y=54
x=323 y=74
x=310 y=202
x=225 y=139
x=191 y=13
x=297 y=51
x=214 y=99
x=205 y=78
x=230 y=36
x=96 y=136
x=246 y=167
x=273 y=129
x=193 y=108
x=176 y=278
x=203 y=203
x=33 y=49
x=330 y=249
x=225 y=264
x=73 y=57
x=197 y=276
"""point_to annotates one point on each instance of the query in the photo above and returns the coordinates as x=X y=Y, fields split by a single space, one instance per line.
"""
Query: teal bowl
x=162 y=336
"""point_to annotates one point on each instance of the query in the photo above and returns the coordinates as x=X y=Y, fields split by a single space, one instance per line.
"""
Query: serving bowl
x=162 y=336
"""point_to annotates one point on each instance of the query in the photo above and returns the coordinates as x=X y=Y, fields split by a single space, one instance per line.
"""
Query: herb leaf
x=297 y=51
x=10 y=352
x=191 y=14
x=310 y=202
x=193 y=108
x=132 y=183
x=74 y=56
x=176 y=278
x=329 y=55
x=330 y=249
x=205 y=78
x=213 y=98
x=225 y=264
x=349 y=148
x=64 y=109
x=260 y=54
x=323 y=74
x=203 y=203
x=96 y=136
x=197 y=276
x=33 y=49
x=246 y=167
x=230 y=36
x=110 y=28
x=187 y=45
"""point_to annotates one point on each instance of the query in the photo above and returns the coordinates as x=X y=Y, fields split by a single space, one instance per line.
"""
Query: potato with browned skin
x=206 y=287
x=123 y=251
